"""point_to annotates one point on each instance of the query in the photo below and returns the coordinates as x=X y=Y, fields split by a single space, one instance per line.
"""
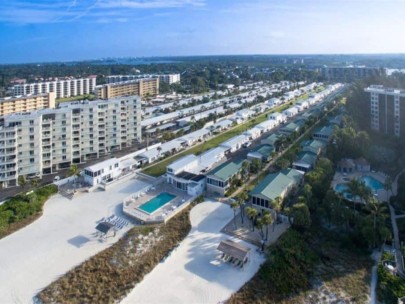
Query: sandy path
x=62 y=238
x=193 y=273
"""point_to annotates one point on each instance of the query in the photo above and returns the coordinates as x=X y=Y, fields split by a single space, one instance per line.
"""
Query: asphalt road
x=48 y=178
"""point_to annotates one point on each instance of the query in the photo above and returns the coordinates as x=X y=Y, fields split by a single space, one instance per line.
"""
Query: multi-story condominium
x=27 y=103
x=65 y=87
x=141 y=87
x=387 y=110
x=350 y=73
x=168 y=78
x=46 y=140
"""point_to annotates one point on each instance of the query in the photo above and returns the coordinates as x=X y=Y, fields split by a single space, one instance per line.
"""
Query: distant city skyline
x=62 y=30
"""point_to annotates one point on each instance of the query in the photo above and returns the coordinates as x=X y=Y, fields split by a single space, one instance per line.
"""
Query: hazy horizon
x=59 y=30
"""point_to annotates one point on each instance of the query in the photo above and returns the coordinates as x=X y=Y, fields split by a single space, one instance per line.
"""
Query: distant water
x=131 y=61
x=390 y=71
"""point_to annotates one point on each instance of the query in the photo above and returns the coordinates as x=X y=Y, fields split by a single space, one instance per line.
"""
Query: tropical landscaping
x=23 y=209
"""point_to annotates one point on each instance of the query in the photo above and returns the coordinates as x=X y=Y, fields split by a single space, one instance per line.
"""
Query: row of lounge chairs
x=117 y=221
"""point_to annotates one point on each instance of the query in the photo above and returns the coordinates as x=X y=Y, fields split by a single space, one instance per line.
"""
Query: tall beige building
x=44 y=141
x=140 y=87
x=27 y=103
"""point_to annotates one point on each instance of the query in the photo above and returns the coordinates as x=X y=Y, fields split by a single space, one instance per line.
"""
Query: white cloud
x=48 y=11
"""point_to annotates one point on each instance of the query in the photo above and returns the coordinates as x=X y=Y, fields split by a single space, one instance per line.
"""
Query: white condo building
x=45 y=140
x=168 y=78
x=65 y=87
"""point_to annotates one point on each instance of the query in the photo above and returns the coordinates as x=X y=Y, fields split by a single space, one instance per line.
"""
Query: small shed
x=234 y=250
x=105 y=228
x=346 y=165
x=362 y=165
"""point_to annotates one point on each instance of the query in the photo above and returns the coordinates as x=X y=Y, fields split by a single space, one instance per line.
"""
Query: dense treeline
x=197 y=77
x=23 y=206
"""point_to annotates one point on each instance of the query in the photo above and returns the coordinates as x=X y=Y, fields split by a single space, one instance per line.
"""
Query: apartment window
x=31 y=122
x=63 y=150
x=64 y=157
x=31 y=130
x=32 y=160
x=31 y=137
x=31 y=145
x=31 y=152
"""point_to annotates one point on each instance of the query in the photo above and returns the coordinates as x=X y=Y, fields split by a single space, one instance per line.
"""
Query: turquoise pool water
x=156 y=202
x=372 y=183
x=342 y=188
x=369 y=181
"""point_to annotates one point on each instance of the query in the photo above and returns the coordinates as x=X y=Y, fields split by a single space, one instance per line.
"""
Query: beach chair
x=231 y=260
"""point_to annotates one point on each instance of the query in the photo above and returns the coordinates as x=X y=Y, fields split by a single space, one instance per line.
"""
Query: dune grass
x=111 y=274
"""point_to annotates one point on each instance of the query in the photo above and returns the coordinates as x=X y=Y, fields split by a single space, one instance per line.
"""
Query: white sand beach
x=194 y=272
x=62 y=238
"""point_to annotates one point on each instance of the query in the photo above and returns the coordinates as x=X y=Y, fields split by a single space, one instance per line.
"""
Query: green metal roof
x=291 y=127
x=273 y=185
x=293 y=174
x=307 y=157
x=325 y=130
x=226 y=170
x=264 y=150
x=314 y=143
x=272 y=138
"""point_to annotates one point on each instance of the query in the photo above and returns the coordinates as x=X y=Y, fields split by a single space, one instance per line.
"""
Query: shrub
x=22 y=207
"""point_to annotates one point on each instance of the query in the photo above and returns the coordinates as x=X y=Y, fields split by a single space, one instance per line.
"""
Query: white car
x=56 y=178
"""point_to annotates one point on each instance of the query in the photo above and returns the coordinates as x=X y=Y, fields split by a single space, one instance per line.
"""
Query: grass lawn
x=73 y=98
x=160 y=167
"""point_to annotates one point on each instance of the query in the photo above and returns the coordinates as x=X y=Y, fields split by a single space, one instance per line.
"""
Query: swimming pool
x=372 y=183
x=157 y=202
x=342 y=188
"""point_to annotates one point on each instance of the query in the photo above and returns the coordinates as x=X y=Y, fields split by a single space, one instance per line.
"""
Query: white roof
x=102 y=165
x=276 y=115
x=234 y=141
x=182 y=162
x=194 y=135
x=267 y=124
x=253 y=130
x=128 y=162
x=291 y=110
x=223 y=123
x=168 y=146
x=157 y=119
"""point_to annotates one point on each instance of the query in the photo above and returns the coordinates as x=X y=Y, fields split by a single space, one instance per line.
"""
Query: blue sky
x=65 y=30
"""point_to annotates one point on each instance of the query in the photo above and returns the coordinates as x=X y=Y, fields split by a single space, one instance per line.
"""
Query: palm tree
x=35 y=182
x=159 y=149
x=252 y=214
x=259 y=224
x=243 y=196
x=276 y=205
x=22 y=181
x=234 y=205
x=245 y=169
x=378 y=212
x=354 y=188
x=267 y=220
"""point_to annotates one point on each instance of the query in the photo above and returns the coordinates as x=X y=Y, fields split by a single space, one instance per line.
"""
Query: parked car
x=246 y=144
x=56 y=178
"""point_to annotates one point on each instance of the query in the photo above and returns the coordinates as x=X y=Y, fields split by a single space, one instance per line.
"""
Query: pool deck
x=131 y=203
x=339 y=178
